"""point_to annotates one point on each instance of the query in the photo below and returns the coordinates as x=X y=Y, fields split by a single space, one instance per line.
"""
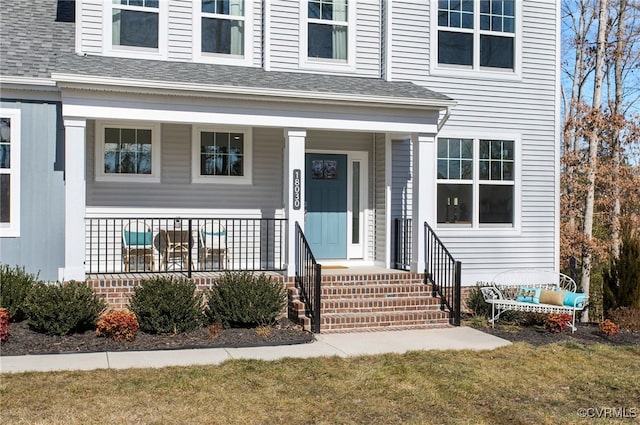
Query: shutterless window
x=135 y=23
x=9 y=172
x=477 y=38
x=127 y=151
x=327 y=29
x=223 y=27
x=476 y=182
x=221 y=154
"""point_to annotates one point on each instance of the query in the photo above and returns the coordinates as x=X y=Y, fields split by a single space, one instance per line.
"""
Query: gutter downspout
x=444 y=119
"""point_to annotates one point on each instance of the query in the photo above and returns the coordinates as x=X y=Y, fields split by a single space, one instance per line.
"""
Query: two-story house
x=233 y=120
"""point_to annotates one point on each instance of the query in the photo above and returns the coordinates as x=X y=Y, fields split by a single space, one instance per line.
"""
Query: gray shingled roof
x=34 y=44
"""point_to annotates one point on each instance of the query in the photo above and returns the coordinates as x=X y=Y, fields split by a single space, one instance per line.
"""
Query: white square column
x=74 y=200
x=294 y=166
x=424 y=195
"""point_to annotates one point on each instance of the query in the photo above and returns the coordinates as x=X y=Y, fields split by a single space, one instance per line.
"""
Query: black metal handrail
x=308 y=278
x=444 y=273
x=183 y=245
x=402 y=240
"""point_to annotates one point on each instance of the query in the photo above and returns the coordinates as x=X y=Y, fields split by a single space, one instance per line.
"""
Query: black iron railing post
x=458 y=294
x=189 y=247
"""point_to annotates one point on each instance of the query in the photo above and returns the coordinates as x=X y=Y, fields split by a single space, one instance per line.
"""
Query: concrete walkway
x=326 y=345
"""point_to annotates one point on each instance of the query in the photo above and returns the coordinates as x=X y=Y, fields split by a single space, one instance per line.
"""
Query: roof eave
x=76 y=81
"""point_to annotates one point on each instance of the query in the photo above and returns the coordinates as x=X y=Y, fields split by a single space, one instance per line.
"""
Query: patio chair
x=213 y=244
x=137 y=246
x=178 y=247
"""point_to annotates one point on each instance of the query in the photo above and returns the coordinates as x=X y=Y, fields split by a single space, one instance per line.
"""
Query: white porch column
x=74 y=200
x=424 y=195
x=294 y=164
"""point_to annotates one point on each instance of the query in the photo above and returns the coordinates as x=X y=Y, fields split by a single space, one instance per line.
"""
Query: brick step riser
x=367 y=282
x=373 y=319
x=380 y=304
x=333 y=292
x=384 y=325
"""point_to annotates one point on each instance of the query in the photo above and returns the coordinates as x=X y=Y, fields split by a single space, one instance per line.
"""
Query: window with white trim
x=127 y=152
x=221 y=155
x=9 y=172
x=135 y=23
x=327 y=29
x=222 y=27
x=327 y=34
x=476 y=182
x=477 y=34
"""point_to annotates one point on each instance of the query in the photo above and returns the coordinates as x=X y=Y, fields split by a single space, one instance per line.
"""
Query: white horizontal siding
x=368 y=38
x=180 y=37
x=91 y=17
x=256 y=43
x=284 y=34
x=486 y=105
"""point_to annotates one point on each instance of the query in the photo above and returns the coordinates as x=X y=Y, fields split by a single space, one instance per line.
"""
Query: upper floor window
x=477 y=34
x=9 y=172
x=135 y=23
x=125 y=152
x=476 y=182
x=327 y=29
x=221 y=155
x=223 y=27
x=222 y=31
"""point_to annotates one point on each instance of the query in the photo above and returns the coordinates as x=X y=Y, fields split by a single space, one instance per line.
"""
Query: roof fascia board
x=27 y=82
x=149 y=86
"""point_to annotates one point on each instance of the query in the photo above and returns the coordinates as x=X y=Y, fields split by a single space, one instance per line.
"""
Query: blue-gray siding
x=40 y=246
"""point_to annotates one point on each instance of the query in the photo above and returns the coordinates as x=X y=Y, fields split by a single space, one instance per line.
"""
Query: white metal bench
x=503 y=291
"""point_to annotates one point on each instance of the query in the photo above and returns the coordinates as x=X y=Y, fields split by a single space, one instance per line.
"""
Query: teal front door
x=326 y=205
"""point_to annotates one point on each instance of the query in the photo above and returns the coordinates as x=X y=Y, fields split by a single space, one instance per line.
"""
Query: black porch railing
x=184 y=245
x=402 y=243
x=308 y=278
x=444 y=274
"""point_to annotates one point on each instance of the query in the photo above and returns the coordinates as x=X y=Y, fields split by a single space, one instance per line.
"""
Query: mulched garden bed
x=537 y=335
x=23 y=340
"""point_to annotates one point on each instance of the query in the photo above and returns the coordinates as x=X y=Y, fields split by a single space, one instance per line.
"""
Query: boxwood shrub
x=167 y=305
x=62 y=309
x=242 y=299
x=15 y=284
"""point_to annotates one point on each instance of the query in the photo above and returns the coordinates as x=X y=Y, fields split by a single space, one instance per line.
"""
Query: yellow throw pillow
x=551 y=297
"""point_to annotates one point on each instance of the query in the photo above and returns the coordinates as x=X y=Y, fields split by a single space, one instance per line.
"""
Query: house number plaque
x=296 y=189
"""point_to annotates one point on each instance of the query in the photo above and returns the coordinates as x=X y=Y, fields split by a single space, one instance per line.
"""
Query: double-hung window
x=9 y=172
x=476 y=182
x=135 y=23
x=136 y=28
x=221 y=155
x=478 y=34
x=328 y=33
x=222 y=28
x=127 y=152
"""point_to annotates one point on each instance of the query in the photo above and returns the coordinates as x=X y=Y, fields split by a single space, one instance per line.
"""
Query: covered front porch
x=162 y=179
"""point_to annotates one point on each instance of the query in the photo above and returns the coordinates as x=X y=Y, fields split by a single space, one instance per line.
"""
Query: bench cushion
x=529 y=295
x=570 y=299
x=548 y=296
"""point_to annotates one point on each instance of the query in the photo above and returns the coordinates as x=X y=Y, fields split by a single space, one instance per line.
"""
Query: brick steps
x=388 y=301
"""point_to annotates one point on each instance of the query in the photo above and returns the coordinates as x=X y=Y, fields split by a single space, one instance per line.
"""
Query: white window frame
x=12 y=229
x=161 y=52
x=245 y=179
x=486 y=229
x=224 y=59
x=476 y=71
x=101 y=176
x=325 y=64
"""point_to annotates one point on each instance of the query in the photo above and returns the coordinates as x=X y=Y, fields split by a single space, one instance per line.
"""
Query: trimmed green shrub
x=167 y=305
x=62 y=309
x=15 y=284
x=476 y=303
x=244 y=300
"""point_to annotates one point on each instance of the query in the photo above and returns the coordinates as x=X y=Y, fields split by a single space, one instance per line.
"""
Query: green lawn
x=519 y=384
